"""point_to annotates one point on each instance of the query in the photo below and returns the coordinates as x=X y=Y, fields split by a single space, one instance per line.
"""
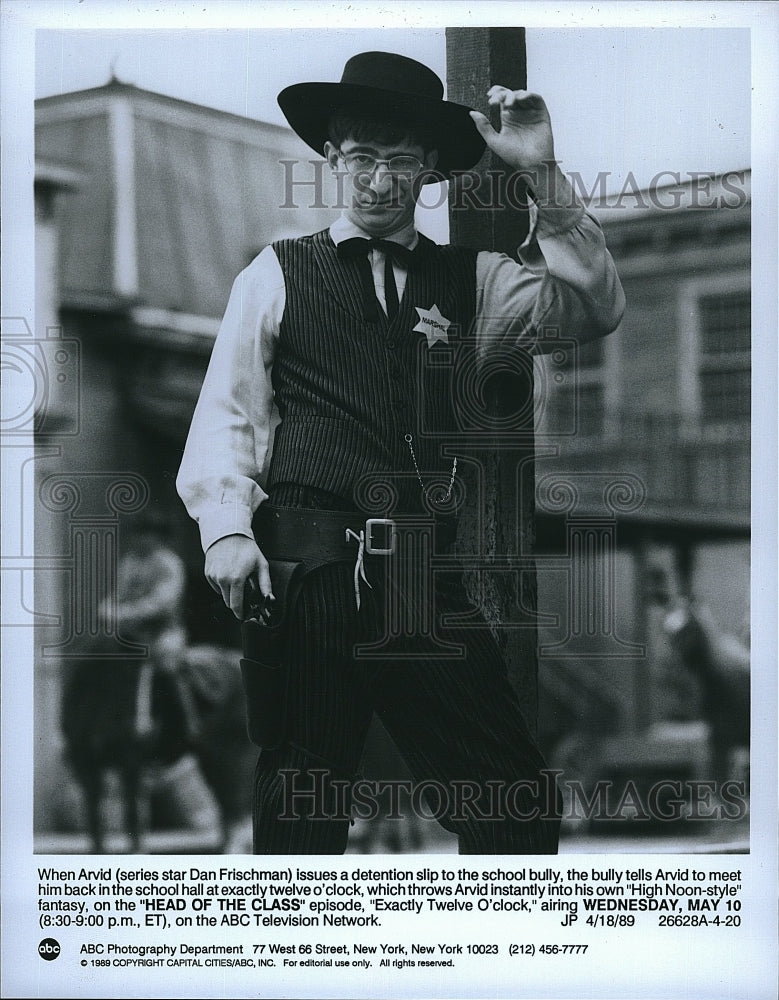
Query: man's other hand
x=230 y=562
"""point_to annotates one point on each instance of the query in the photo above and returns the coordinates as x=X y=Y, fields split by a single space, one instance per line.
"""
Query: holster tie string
x=359 y=567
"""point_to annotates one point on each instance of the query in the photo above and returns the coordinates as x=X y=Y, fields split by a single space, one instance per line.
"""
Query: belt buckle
x=377 y=550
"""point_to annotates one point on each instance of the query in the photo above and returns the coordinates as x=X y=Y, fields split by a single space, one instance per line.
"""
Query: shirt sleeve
x=220 y=474
x=565 y=284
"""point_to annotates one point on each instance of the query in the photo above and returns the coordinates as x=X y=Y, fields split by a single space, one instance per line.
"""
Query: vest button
x=391 y=345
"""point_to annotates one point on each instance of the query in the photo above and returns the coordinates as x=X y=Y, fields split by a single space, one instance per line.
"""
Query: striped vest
x=349 y=391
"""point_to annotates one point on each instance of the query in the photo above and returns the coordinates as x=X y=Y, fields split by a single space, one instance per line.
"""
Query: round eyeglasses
x=399 y=166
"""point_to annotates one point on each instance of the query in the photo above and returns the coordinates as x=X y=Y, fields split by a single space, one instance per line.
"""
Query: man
x=136 y=715
x=342 y=332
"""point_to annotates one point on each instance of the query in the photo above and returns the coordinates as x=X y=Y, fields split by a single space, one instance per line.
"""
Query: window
x=724 y=357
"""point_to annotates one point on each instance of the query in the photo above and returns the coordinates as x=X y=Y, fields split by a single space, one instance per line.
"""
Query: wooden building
x=649 y=431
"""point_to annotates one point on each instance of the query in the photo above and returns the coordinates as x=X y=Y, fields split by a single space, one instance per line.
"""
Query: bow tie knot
x=360 y=246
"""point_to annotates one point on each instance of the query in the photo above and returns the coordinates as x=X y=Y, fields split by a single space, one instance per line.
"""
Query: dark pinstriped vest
x=348 y=391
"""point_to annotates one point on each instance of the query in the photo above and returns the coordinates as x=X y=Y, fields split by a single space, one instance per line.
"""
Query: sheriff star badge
x=433 y=325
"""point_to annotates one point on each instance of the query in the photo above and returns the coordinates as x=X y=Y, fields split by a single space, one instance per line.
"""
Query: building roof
x=175 y=200
x=50 y=174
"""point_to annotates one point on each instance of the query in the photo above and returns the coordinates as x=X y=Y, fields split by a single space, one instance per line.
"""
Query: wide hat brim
x=308 y=107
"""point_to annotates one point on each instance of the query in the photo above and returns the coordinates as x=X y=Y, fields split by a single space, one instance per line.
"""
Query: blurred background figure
x=720 y=663
x=169 y=723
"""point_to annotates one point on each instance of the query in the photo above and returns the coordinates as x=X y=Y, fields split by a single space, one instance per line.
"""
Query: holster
x=263 y=667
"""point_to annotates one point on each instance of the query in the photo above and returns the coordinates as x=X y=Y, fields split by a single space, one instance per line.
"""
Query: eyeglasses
x=406 y=167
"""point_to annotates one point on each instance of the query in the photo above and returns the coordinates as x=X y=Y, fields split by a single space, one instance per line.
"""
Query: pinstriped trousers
x=444 y=698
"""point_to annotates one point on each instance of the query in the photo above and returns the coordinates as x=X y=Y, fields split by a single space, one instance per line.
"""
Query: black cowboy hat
x=382 y=84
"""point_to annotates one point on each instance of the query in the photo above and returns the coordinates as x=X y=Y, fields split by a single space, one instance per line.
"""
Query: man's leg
x=302 y=803
x=458 y=724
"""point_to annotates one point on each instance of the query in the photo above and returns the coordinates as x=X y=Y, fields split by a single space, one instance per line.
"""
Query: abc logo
x=49 y=949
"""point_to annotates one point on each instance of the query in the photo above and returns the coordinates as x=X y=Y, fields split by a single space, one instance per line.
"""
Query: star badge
x=433 y=325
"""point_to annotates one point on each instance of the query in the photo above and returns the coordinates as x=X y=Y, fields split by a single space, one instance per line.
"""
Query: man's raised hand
x=525 y=139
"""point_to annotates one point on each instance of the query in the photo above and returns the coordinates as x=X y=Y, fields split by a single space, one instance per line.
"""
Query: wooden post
x=477 y=58
x=499 y=518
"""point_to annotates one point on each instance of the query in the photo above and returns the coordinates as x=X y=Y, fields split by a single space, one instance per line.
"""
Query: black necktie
x=358 y=249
